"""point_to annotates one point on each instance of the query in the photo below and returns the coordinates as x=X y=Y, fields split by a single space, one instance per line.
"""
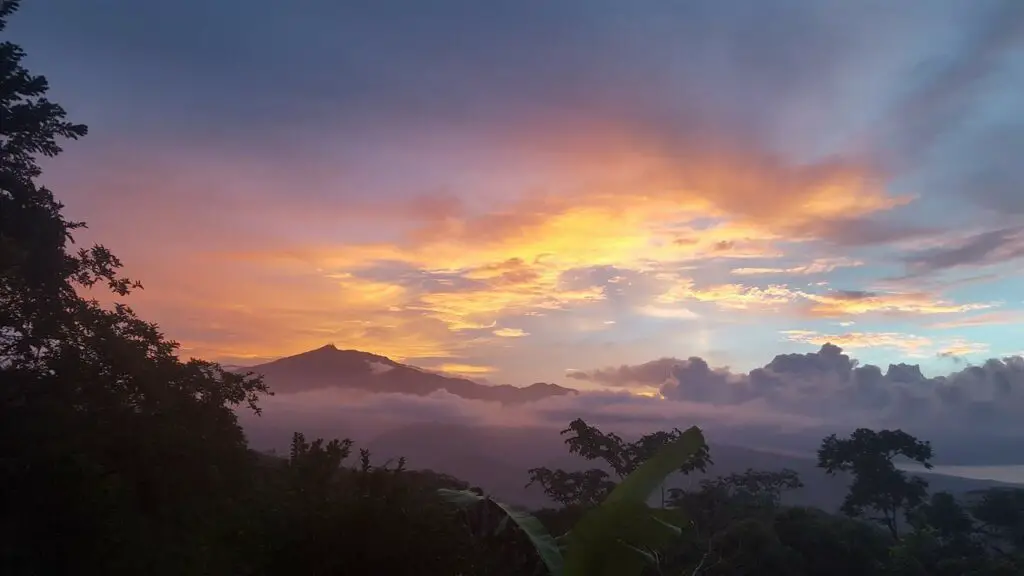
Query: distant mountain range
x=495 y=458
x=329 y=367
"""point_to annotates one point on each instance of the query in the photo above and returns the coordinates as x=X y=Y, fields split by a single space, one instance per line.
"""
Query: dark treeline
x=117 y=457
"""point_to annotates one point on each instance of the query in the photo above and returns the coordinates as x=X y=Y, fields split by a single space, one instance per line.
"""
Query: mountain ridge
x=329 y=367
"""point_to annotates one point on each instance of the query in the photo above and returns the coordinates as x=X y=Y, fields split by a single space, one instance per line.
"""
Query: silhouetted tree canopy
x=877 y=484
x=117 y=455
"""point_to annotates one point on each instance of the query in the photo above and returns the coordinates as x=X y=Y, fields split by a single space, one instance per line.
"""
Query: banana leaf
x=543 y=542
x=608 y=540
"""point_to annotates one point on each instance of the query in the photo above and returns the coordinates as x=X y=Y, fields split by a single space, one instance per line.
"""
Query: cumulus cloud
x=789 y=402
x=830 y=385
x=343 y=412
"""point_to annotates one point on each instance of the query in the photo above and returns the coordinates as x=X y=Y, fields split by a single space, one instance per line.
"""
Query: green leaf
x=639 y=485
x=543 y=542
x=595 y=543
x=648 y=557
x=501 y=526
x=624 y=517
x=461 y=498
x=675 y=530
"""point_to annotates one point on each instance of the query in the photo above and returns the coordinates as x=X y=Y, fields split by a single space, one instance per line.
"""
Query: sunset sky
x=517 y=189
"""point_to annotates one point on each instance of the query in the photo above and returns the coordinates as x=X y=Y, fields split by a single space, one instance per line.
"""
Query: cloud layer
x=830 y=385
x=789 y=403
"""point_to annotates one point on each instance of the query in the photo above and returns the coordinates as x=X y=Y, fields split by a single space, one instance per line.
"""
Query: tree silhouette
x=755 y=487
x=1001 y=514
x=587 y=488
x=877 y=484
x=621 y=456
x=580 y=488
x=117 y=455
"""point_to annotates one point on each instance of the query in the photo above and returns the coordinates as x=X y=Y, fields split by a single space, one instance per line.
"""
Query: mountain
x=329 y=367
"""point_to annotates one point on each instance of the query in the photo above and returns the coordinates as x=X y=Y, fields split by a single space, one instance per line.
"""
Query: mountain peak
x=553 y=389
x=329 y=367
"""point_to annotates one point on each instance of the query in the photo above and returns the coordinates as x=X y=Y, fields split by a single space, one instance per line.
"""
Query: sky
x=562 y=191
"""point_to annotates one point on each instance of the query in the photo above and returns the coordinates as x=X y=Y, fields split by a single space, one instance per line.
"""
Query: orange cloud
x=268 y=313
x=742 y=297
x=847 y=303
x=481 y=307
x=907 y=343
x=961 y=347
x=676 y=312
x=819 y=266
x=510 y=333
x=613 y=196
x=731 y=296
x=743 y=183
x=987 y=319
x=466 y=369
x=830 y=304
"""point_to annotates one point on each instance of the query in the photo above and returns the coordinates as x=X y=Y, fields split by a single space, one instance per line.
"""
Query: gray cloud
x=990 y=247
x=653 y=373
x=957 y=129
x=996 y=179
x=703 y=67
x=829 y=384
x=950 y=86
x=283 y=80
x=789 y=403
x=858 y=232
x=341 y=413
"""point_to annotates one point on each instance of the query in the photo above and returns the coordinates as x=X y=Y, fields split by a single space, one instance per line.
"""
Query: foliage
x=588 y=487
x=731 y=521
x=625 y=457
x=623 y=519
x=117 y=454
x=1000 y=511
x=314 y=514
x=578 y=488
x=546 y=546
x=754 y=487
x=877 y=484
x=621 y=535
x=827 y=544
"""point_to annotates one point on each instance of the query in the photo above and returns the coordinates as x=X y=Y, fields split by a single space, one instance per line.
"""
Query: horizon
x=254 y=362
x=652 y=199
